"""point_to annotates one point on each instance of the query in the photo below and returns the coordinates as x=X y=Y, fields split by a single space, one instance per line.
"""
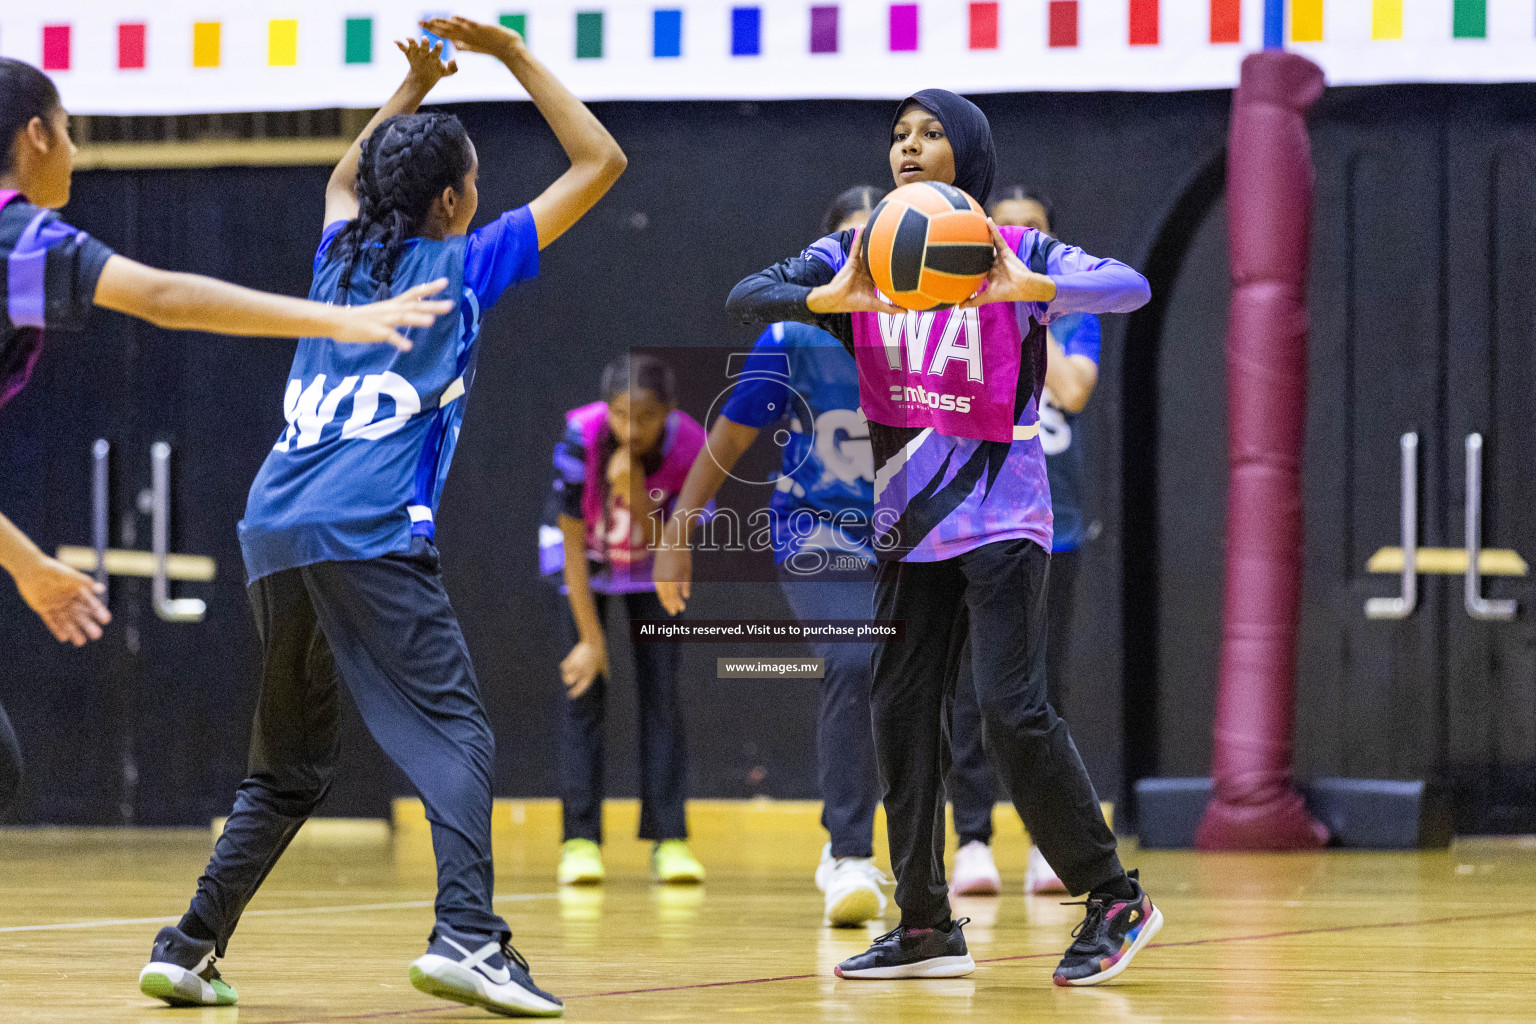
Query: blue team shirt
x=803 y=378
x=1061 y=437
x=360 y=467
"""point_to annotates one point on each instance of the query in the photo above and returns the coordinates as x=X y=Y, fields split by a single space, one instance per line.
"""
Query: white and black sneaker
x=913 y=953
x=477 y=971
x=181 y=972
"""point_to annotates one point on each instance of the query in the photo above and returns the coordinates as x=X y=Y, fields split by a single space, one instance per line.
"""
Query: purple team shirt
x=953 y=375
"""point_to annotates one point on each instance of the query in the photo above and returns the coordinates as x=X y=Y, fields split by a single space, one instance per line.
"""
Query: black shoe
x=1111 y=934
x=478 y=971
x=181 y=972
x=912 y=953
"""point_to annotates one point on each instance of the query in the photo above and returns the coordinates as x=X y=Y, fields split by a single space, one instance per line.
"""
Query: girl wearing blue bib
x=52 y=274
x=338 y=534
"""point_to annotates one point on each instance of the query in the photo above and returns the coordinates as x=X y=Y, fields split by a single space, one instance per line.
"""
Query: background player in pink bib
x=618 y=471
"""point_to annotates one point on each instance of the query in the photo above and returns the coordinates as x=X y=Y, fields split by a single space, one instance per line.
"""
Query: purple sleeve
x=1091 y=284
x=501 y=254
x=829 y=250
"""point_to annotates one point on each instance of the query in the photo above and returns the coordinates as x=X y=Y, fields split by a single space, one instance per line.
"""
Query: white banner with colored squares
x=186 y=56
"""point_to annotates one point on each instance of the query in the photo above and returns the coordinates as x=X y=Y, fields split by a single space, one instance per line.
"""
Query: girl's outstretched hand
x=852 y=290
x=1010 y=280
x=473 y=36
x=68 y=602
x=426 y=60
x=378 y=321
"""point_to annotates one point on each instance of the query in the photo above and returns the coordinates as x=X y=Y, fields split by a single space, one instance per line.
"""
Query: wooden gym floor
x=1354 y=937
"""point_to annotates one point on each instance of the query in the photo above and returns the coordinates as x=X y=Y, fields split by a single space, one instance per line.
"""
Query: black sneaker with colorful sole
x=1112 y=933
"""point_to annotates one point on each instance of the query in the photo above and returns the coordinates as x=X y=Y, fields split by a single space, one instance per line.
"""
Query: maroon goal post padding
x=1255 y=804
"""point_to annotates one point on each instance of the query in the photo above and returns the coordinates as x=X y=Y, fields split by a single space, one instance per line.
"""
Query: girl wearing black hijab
x=963 y=530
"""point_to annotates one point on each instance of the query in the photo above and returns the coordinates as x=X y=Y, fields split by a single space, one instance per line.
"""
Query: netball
x=928 y=246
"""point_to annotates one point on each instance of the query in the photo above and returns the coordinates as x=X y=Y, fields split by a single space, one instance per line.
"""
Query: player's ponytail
x=405 y=164
x=25 y=93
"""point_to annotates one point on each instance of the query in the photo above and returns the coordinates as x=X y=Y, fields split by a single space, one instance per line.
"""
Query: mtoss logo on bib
x=956 y=371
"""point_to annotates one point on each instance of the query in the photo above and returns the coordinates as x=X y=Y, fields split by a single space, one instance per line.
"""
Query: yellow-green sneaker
x=581 y=863
x=672 y=862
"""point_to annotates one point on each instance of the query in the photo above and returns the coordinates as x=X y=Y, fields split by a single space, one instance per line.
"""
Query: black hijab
x=970 y=136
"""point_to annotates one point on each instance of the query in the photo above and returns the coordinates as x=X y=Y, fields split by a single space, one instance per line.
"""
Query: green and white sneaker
x=581 y=863
x=181 y=972
x=672 y=863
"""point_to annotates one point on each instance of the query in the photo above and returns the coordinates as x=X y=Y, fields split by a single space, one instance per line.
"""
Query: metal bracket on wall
x=1478 y=606
x=159 y=564
x=1402 y=606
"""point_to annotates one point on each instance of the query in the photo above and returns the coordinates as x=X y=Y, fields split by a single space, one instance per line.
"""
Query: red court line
x=1333 y=929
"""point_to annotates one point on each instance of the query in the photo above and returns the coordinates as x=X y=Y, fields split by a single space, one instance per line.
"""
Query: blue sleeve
x=326 y=238
x=501 y=254
x=761 y=394
x=1078 y=334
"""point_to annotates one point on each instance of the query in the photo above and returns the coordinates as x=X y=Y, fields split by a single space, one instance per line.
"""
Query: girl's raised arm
x=596 y=159
x=426 y=70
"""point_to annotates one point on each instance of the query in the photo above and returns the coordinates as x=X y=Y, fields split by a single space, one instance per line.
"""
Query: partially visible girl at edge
x=963 y=530
x=54 y=274
x=338 y=533
x=618 y=471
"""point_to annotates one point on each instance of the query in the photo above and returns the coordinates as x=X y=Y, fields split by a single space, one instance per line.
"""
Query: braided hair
x=406 y=163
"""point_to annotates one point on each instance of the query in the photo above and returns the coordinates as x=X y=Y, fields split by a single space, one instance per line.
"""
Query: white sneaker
x=975 y=873
x=852 y=885
x=1040 y=878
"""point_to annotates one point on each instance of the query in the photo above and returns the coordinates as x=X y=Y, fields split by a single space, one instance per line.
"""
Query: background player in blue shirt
x=1072 y=371
x=54 y=274
x=821 y=509
x=338 y=531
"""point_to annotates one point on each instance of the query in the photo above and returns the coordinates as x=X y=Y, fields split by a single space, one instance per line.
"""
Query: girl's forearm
x=191 y=302
x=578 y=130
x=17 y=551
x=578 y=583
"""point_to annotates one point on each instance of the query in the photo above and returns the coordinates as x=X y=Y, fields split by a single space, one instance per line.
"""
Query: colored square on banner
x=984 y=26
x=1143 y=22
x=746 y=31
x=1306 y=21
x=1469 y=19
x=1226 y=21
x=131 y=40
x=823 y=29
x=205 y=44
x=589 y=35
x=667 y=32
x=433 y=39
x=282 y=43
x=55 y=47
x=517 y=23
x=359 y=41
x=903 y=27
x=1062 y=27
x=1386 y=19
